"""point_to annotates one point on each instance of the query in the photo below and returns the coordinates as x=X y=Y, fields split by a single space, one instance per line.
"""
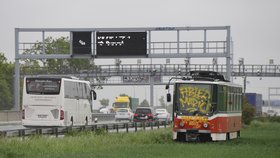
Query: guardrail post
x=83 y=128
x=68 y=129
x=39 y=131
x=117 y=128
x=55 y=131
x=21 y=133
x=164 y=123
x=135 y=126
x=106 y=128
x=3 y=133
x=158 y=124
x=126 y=125
x=144 y=125
x=152 y=125
x=93 y=128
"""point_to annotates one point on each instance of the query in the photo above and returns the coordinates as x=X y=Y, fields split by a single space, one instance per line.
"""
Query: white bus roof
x=53 y=76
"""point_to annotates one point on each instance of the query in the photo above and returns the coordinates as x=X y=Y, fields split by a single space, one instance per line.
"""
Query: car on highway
x=104 y=110
x=143 y=114
x=124 y=114
x=163 y=115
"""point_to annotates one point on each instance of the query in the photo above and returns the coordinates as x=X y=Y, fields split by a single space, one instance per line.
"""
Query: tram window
x=222 y=98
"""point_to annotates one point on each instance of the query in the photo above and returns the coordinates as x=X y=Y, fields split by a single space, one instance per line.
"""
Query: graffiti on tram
x=193 y=98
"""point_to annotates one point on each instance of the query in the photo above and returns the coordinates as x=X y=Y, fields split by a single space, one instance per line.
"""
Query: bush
x=269 y=119
x=247 y=112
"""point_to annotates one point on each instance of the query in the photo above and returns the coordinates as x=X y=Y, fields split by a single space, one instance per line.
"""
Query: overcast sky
x=255 y=24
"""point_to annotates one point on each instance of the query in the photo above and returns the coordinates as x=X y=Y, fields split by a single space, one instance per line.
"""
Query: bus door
x=84 y=108
x=71 y=101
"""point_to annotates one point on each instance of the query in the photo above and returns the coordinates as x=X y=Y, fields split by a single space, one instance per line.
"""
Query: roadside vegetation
x=6 y=83
x=259 y=139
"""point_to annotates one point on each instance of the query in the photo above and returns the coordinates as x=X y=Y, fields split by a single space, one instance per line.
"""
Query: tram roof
x=208 y=82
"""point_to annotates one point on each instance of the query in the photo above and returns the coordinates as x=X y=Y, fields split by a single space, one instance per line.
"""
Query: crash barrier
x=8 y=116
x=111 y=127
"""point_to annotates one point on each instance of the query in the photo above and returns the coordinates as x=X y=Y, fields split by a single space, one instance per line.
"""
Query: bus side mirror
x=93 y=94
x=168 y=97
x=167 y=86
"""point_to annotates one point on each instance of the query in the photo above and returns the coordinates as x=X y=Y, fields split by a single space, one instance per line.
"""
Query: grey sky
x=255 y=24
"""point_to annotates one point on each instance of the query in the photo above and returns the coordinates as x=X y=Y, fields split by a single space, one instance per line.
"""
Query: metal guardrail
x=56 y=131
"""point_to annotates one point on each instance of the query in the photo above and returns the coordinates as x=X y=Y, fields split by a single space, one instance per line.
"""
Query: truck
x=255 y=100
x=125 y=102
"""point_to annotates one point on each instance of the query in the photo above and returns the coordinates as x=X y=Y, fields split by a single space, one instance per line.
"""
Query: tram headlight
x=205 y=125
x=182 y=124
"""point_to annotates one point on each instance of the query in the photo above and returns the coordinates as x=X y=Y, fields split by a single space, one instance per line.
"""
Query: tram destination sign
x=125 y=44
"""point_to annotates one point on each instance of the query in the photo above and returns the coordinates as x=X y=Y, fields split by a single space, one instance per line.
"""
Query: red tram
x=206 y=107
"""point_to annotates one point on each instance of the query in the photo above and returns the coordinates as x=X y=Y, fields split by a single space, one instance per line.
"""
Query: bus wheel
x=72 y=121
x=86 y=121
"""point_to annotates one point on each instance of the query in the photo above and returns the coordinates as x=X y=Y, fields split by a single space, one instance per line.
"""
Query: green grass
x=260 y=139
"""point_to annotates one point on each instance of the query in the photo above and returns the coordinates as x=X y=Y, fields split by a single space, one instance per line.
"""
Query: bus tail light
x=135 y=115
x=61 y=115
x=23 y=114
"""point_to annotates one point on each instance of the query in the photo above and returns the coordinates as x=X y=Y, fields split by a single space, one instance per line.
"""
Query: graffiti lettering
x=194 y=98
x=195 y=121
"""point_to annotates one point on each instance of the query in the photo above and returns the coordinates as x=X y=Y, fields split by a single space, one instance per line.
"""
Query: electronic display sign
x=81 y=43
x=121 y=44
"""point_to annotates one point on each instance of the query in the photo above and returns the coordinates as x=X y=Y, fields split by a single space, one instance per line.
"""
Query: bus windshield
x=193 y=99
x=43 y=86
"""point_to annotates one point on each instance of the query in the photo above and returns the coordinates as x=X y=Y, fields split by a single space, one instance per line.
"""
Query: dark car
x=143 y=114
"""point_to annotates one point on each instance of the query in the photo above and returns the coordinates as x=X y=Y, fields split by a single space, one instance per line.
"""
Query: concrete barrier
x=10 y=116
x=13 y=116
x=103 y=117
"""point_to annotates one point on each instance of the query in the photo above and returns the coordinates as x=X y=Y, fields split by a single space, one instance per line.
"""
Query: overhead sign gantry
x=142 y=42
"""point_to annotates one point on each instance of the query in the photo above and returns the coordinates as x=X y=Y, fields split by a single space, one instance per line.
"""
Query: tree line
x=6 y=83
x=33 y=67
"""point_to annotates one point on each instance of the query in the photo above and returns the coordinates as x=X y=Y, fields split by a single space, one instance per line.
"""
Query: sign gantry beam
x=91 y=43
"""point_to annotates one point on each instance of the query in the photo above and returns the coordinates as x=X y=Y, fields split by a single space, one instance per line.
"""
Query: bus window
x=70 y=89
x=42 y=86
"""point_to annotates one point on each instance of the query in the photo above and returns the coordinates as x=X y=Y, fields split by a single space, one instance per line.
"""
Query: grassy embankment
x=259 y=140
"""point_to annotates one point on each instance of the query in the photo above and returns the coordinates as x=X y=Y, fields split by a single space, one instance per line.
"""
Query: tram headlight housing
x=182 y=124
x=205 y=125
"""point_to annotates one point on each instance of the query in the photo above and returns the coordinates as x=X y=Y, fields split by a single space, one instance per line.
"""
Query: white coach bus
x=56 y=101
